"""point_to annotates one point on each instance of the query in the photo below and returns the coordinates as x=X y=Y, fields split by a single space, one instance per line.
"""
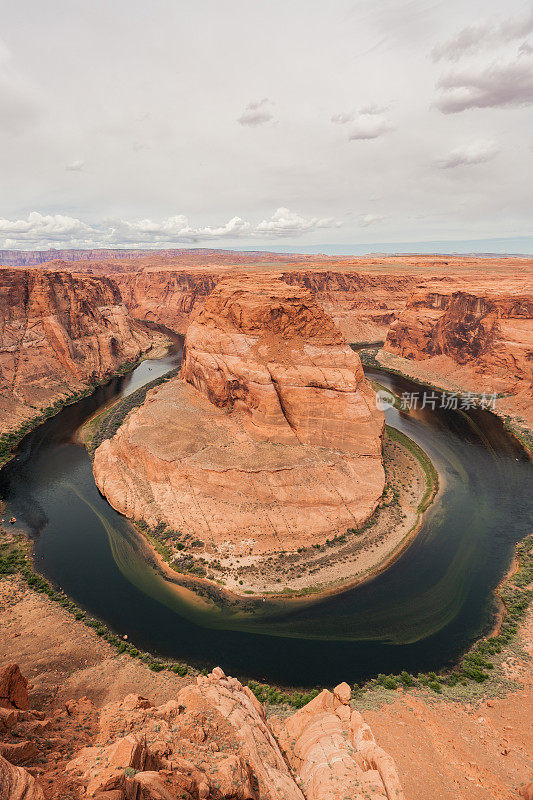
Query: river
x=418 y=615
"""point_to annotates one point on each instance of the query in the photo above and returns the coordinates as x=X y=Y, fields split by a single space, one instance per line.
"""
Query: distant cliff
x=59 y=332
x=361 y=305
x=478 y=337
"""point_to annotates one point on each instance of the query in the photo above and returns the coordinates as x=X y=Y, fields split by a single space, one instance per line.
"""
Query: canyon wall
x=59 y=333
x=269 y=441
x=479 y=337
x=362 y=306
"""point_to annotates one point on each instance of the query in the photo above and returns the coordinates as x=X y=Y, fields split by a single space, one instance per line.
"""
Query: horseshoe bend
x=269 y=440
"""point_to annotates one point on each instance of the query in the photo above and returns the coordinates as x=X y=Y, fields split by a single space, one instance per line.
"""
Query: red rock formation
x=526 y=791
x=166 y=297
x=13 y=688
x=59 y=333
x=269 y=441
x=362 y=306
x=363 y=295
x=215 y=741
x=16 y=783
x=334 y=751
x=481 y=338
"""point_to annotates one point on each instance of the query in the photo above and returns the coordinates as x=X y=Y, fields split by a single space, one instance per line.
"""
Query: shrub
x=406 y=678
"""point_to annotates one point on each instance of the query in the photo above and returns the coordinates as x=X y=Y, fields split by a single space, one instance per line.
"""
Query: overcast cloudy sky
x=253 y=123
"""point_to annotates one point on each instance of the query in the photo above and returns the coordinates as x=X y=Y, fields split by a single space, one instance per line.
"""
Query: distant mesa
x=268 y=441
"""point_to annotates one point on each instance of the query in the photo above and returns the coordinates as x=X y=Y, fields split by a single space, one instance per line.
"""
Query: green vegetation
x=475 y=667
x=478 y=665
x=524 y=436
x=274 y=696
x=432 y=477
x=10 y=439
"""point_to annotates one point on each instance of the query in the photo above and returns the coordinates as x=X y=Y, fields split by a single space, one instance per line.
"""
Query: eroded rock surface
x=13 y=688
x=212 y=742
x=362 y=306
x=16 y=783
x=270 y=439
x=334 y=752
x=59 y=333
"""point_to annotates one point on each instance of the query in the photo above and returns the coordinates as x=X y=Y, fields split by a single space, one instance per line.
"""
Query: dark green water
x=418 y=615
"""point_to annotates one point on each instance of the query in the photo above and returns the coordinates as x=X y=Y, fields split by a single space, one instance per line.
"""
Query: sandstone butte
x=59 y=333
x=213 y=741
x=269 y=440
x=478 y=339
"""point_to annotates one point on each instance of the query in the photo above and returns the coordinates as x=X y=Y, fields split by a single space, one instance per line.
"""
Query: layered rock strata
x=59 y=333
x=270 y=439
x=362 y=306
x=479 y=339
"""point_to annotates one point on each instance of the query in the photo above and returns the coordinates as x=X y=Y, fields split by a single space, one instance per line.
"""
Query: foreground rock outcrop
x=13 y=688
x=479 y=337
x=269 y=441
x=214 y=741
x=59 y=333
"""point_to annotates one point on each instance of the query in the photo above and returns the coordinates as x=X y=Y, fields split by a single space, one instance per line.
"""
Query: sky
x=266 y=124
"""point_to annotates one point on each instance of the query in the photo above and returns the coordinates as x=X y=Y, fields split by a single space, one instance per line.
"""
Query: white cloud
x=169 y=143
x=175 y=229
x=45 y=227
x=477 y=152
x=370 y=219
x=256 y=113
x=285 y=223
x=368 y=123
x=369 y=127
x=75 y=166
x=373 y=110
x=496 y=86
x=478 y=37
x=42 y=230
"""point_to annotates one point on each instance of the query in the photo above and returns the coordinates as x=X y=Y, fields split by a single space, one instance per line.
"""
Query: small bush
x=406 y=678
